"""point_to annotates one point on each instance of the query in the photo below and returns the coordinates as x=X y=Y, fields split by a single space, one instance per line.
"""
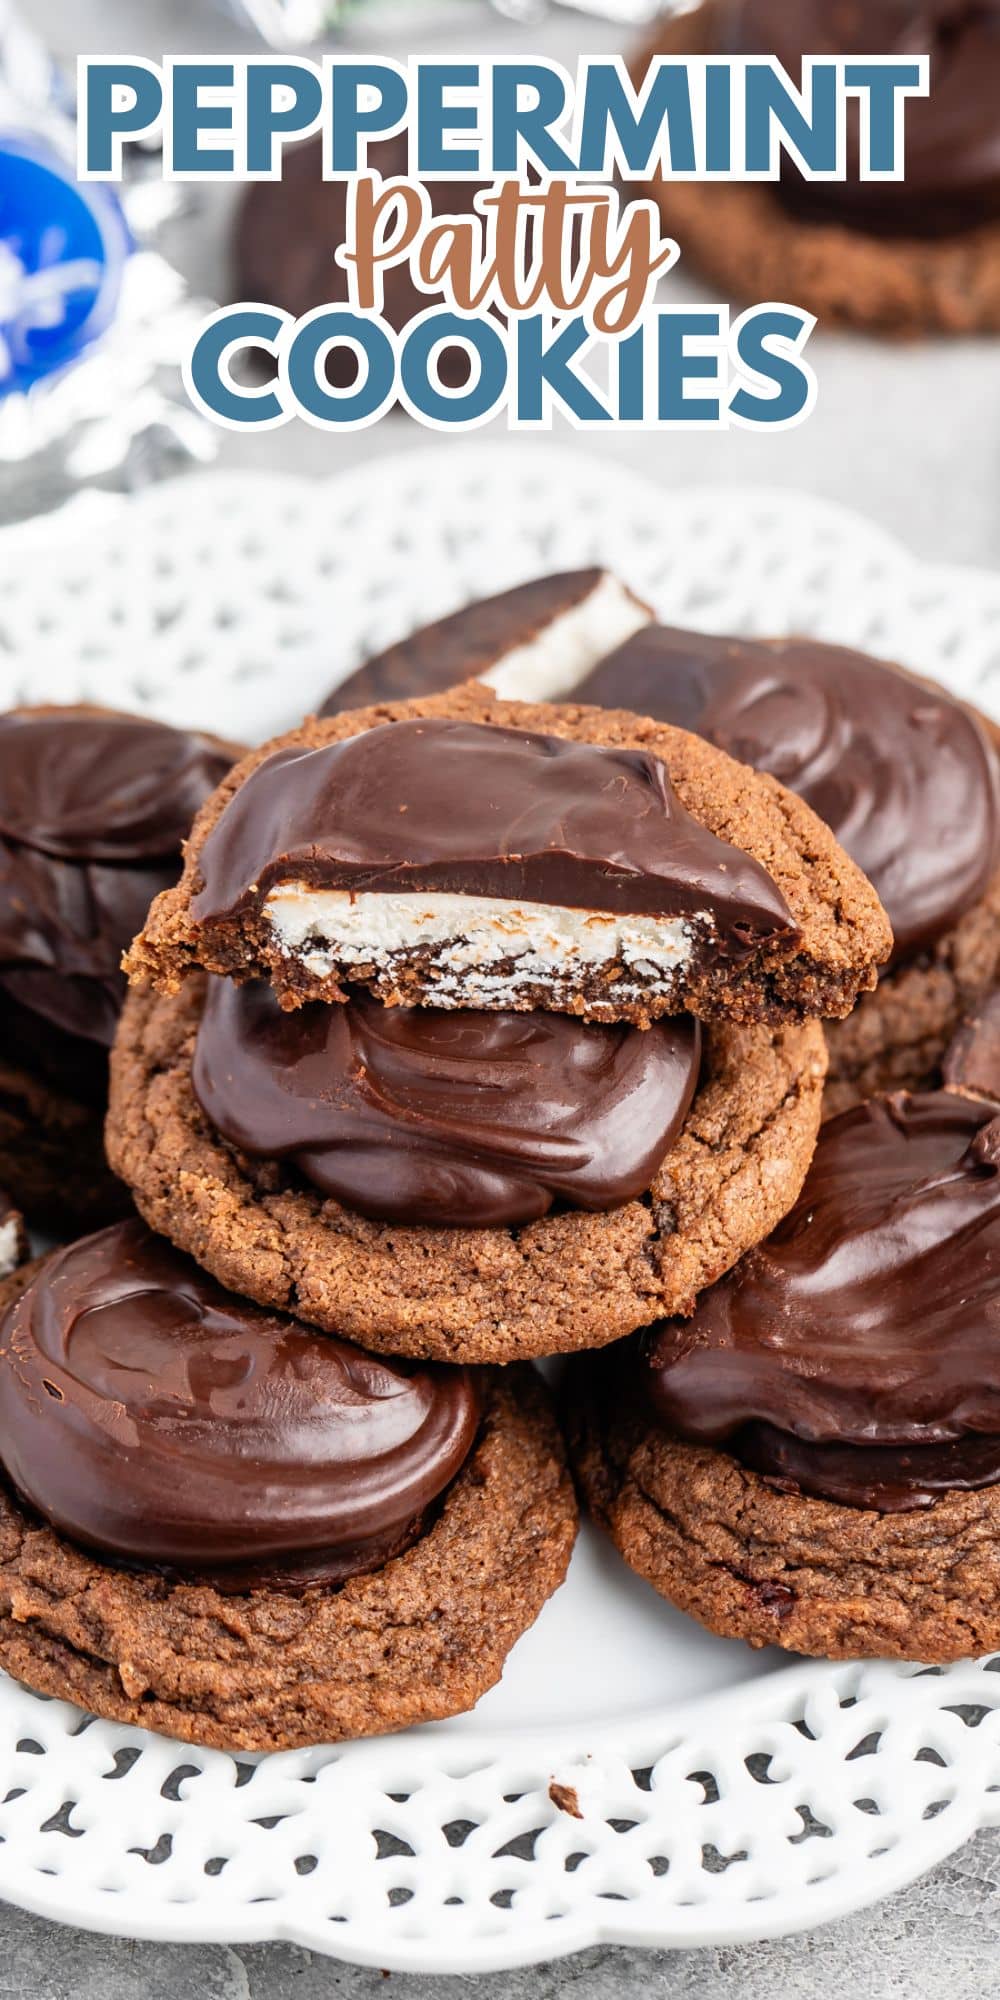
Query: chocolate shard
x=972 y=1062
x=904 y=775
x=458 y=865
x=532 y=641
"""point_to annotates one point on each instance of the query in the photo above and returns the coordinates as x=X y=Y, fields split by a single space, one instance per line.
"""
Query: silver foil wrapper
x=115 y=412
x=292 y=24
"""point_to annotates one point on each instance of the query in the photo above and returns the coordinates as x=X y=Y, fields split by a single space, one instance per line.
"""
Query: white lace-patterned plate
x=723 y=1795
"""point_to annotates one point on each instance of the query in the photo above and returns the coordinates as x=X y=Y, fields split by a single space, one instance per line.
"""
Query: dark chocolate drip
x=149 y=1414
x=903 y=775
x=466 y=645
x=464 y=808
x=93 y=809
x=411 y=1115
x=952 y=166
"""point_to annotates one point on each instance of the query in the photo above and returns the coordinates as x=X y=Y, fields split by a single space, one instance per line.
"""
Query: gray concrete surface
x=912 y=435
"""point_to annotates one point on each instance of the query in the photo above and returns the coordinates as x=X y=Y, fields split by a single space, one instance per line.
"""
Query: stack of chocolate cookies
x=478 y=1030
x=473 y=1032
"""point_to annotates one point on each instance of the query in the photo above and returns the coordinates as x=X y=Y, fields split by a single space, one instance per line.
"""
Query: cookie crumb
x=565 y=1799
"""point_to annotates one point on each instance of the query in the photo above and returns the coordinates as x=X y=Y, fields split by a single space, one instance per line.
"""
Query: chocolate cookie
x=913 y=256
x=896 y=1037
x=256 y=1538
x=813 y=1458
x=551 y=630
x=906 y=777
x=751 y=1562
x=569 y=1280
x=94 y=806
x=597 y=863
x=288 y=230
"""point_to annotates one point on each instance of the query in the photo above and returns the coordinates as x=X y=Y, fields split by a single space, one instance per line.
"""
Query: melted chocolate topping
x=149 y=1414
x=464 y=646
x=903 y=775
x=93 y=809
x=952 y=179
x=871 y=1317
x=411 y=1115
x=890 y=1478
x=468 y=809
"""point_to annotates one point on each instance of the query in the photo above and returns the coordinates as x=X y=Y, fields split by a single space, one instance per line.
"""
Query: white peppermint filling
x=9 y=1246
x=469 y=936
x=558 y=657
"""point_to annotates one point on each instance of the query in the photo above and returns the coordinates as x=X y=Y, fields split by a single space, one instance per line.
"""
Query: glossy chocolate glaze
x=870 y=1318
x=468 y=809
x=149 y=1414
x=461 y=1119
x=903 y=774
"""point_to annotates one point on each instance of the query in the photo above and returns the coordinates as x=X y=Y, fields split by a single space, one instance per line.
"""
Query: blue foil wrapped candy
x=62 y=251
x=95 y=322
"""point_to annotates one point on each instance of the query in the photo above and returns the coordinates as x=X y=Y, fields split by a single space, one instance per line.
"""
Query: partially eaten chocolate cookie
x=468 y=852
x=534 y=641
